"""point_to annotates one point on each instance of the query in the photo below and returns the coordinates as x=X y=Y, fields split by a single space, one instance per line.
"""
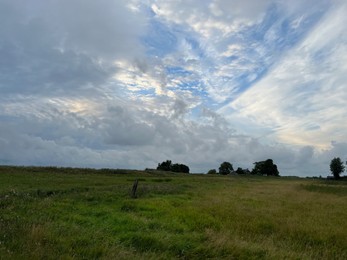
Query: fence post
x=133 y=192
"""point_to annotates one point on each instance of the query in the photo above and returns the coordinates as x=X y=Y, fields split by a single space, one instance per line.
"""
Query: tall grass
x=83 y=213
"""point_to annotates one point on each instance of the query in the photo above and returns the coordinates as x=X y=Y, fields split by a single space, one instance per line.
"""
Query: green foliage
x=336 y=167
x=265 y=168
x=242 y=171
x=168 y=166
x=179 y=168
x=212 y=171
x=239 y=171
x=165 y=166
x=226 y=168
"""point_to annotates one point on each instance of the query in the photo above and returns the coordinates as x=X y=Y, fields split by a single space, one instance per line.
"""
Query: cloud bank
x=128 y=84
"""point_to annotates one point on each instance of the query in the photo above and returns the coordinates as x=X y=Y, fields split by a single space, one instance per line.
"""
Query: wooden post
x=133 y=192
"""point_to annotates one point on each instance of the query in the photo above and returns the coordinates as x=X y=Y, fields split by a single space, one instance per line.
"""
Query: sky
x=129 y=84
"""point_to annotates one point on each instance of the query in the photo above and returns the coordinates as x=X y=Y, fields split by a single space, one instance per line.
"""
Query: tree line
x=266 y=167
x=172 y=167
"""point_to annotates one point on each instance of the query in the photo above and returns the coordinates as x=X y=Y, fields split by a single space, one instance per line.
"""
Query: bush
x=212 y=171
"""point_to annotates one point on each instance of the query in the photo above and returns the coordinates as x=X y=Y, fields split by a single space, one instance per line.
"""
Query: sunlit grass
x=82 y=213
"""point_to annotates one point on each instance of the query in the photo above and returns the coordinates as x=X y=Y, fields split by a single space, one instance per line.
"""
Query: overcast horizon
x=129 y=84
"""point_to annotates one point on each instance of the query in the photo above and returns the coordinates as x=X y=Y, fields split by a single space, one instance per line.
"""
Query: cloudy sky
x=129 y=84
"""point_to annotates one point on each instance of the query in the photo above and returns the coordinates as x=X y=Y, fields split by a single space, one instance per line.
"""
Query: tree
x=212 y=171
x=168 y=166
x=336 y=167
x=184 y=168
x=179 y=168
x=265 y=168
x=164 y=166
x=241 y=171
x=226 y=168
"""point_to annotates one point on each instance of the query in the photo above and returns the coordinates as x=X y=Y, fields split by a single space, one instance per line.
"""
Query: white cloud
x=303 y=98
x=249 y=11
x=205 y=18
x=130 y=136
x=81 y=85
x=141 y=75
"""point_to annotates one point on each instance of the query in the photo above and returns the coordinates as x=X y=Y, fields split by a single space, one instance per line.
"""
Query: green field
x=50 y=213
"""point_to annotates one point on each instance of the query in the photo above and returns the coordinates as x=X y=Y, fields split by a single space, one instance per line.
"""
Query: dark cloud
x=49 y=72
x=125 y=128
x=180 y=108
x=130 y=137
x=60 y=47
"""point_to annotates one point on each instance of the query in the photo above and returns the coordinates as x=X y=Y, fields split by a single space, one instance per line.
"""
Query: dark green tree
x=240 y=171
x=212 y=171
x=164 y=166
x=168 y=166
x=226 y=168
x=265 y=168
x=179 y=168
x=184 y=168
x=336 y=167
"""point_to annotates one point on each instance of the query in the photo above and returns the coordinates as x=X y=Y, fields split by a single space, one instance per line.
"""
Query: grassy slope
x=76 y=213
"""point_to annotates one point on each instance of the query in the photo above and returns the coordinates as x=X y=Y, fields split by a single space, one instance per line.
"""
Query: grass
x=82 y=213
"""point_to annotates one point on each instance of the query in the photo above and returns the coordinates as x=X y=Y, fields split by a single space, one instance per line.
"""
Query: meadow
x=62 y=213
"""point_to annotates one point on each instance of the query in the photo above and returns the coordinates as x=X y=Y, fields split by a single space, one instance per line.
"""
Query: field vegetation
x=48 y=213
